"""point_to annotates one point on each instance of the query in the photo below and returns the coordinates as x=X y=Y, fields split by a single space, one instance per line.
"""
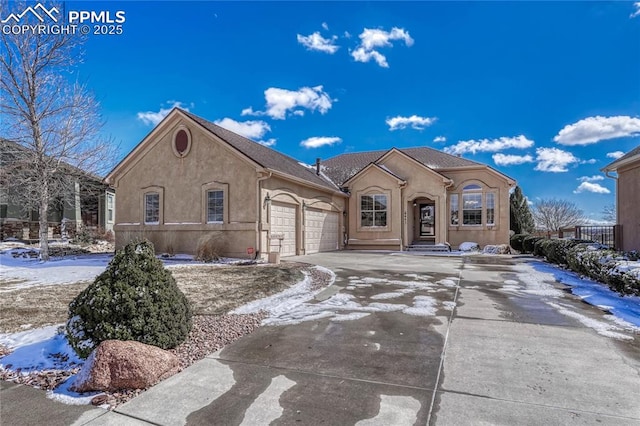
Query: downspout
x=447 y=219
x=403 y=218
x=260 y=217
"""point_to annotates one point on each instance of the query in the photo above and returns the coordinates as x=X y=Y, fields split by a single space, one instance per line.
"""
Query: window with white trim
x=373 y=210
x=215 y=206
x=472 y=205
x=453 y=209
x=491 y=208
x=110 y=208
x=152 y=208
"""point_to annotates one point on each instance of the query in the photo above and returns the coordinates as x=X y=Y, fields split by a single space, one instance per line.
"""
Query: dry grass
x=217 y=290
x=36 y=307
x=211 y=290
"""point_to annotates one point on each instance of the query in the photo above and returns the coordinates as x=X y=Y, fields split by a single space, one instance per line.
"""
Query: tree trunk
x=44 y=224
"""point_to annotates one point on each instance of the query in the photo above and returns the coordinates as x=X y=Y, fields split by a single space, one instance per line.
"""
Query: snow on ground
x=601 y=327
x=626 y=308
x=24 y=272
x=33 y=350
x=295 y=305
x=30 y=272
x=45 y=349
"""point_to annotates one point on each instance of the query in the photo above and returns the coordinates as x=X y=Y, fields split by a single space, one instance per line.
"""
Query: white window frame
x=472 y=193
x=373 y=211
x=110 y=207
x=490 y=204
x=209 y=206
x=454 y=209
x=147 y=196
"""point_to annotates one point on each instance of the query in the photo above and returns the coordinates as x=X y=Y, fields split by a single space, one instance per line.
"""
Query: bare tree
x=49 y=113
x=609 y=213
x=554 y=214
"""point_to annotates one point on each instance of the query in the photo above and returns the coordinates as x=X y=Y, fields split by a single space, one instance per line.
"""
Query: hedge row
x=585 y=257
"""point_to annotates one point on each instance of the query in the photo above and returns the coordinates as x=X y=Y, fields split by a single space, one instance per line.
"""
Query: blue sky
x=546 y=92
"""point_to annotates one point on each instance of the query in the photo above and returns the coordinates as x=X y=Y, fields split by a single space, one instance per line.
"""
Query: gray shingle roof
x=614 y=164
x=344 y=166
x=263 y=155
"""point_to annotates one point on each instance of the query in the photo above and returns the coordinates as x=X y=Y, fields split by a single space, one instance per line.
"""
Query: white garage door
x=321 y=231
x=283 y=222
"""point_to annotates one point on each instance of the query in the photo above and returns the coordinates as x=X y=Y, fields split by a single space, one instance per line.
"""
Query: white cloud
x=415 y=122
x=325 y=26
x=439 y=139
x=615 y=154
x=281 y=101
x=554 y=160
x=152 y=118
x=316 y=42
x=268 y=142
x=589 y=161
x=593 y=178
x=636 y=12
x=511 y=160
x=317 y=142
x=591 y=187
x=595 y=129
x=372 y=39
x=489 y=145
x=253 y=129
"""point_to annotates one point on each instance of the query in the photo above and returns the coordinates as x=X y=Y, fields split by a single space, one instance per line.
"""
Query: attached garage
x=321 y=231
x=283 y=223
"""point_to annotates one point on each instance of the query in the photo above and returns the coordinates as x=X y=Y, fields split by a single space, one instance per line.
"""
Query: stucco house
x=627 y=169
x=190 y=176
x=86 y=201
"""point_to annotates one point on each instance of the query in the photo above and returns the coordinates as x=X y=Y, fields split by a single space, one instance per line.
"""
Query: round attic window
x=181 y=142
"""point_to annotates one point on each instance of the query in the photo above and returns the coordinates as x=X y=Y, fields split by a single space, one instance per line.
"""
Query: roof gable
x=396 y=152
x=373 y=167
x=257 y=154
x=344 y=166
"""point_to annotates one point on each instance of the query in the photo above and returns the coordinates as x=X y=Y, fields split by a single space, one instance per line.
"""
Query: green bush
x=528 y=243
x=135 y=298
x=538 y=247
x=555 y=250
x=516 y=241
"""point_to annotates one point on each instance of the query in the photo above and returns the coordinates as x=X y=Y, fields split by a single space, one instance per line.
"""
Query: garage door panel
x=283 y=222
x=321 y=231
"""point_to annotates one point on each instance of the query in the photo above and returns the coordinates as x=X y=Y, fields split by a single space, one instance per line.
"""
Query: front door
x=427 y=220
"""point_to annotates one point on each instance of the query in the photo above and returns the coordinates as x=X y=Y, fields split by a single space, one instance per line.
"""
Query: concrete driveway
x=412 y=340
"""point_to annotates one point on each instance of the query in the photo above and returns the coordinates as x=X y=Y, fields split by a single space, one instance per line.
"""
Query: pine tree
x=136 y=298
x=521 y=218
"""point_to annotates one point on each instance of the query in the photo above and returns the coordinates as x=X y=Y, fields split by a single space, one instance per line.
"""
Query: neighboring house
x=189 y=177
x=627 y=169
x=89 y=202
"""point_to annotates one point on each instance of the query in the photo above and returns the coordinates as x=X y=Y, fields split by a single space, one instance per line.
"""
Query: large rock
x=129 y=364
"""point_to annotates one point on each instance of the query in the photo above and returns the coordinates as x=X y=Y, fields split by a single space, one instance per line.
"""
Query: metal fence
x=609 y=235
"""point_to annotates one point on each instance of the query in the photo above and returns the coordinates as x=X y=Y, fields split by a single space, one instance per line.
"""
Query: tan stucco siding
x=628 y=205
x=490 y=182
x=183 y=184
x=375 y=182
